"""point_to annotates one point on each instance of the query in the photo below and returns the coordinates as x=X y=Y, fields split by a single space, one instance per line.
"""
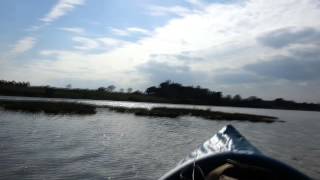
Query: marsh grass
x=206 y=114
x=48 y=107
x=56 y=107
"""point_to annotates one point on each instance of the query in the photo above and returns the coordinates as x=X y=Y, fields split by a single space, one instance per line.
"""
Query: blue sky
x=268 y=49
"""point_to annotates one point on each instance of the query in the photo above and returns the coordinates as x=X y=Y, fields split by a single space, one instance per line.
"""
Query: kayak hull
x=206 y=164
x=228 y=144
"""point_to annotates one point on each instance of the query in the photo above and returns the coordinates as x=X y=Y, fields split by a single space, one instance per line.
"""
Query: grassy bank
x=206 y=114
x=48 y=107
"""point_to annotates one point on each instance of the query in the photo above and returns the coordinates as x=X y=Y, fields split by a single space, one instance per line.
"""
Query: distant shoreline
x=71 y=99
x=166 y=102
x=167 y=92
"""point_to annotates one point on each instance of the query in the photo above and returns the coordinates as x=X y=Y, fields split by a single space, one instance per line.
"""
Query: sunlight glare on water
x=110 y=145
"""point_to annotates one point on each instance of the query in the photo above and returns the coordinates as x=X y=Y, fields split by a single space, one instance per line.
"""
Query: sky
x=261 y=48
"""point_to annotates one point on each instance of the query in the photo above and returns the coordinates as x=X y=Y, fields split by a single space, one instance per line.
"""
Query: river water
x=110 y=145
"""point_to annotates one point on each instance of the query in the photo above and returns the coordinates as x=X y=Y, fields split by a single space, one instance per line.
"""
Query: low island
x=58 y=107
x=48 y=107
x=206 y=114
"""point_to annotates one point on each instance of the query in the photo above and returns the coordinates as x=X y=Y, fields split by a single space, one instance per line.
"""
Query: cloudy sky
x=252 y=47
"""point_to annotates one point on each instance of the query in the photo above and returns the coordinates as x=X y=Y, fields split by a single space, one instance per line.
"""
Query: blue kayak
x=229 y=156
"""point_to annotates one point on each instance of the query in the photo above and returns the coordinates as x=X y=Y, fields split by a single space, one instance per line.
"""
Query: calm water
x=109 y=145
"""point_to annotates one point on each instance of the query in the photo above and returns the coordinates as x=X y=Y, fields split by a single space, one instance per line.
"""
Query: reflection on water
x=123 y=146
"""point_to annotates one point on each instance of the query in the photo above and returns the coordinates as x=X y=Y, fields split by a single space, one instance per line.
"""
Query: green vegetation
x=166 y=92
x=206 y=114
x=48 y=107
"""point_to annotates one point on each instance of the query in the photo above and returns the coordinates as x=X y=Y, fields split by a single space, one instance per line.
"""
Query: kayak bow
x=228 y=155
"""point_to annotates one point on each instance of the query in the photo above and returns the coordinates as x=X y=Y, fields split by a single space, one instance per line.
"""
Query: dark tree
x=237 y=97
x=151 y=90
x=68 y=86
x=111 y=88
x=101 y=89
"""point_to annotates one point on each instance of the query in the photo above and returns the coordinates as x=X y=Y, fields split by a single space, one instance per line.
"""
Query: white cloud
x=85 y=43
x=60 y=9
x=120 y=32
x=129 y=31
x=108 y=42
x=102 y=43
x=24 y=45
x=138 y=30
x=155 y=10
x=198 y=3
x=224 y=36
x=75 y=30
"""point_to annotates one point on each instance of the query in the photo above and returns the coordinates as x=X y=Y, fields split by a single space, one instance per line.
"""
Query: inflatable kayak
x=229 y=156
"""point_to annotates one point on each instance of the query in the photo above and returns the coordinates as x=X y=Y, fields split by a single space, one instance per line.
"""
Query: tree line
x=14 y=83
x=178 y=93
x=165 y=92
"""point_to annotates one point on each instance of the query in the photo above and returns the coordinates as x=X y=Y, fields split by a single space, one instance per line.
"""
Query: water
x=110 y=145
